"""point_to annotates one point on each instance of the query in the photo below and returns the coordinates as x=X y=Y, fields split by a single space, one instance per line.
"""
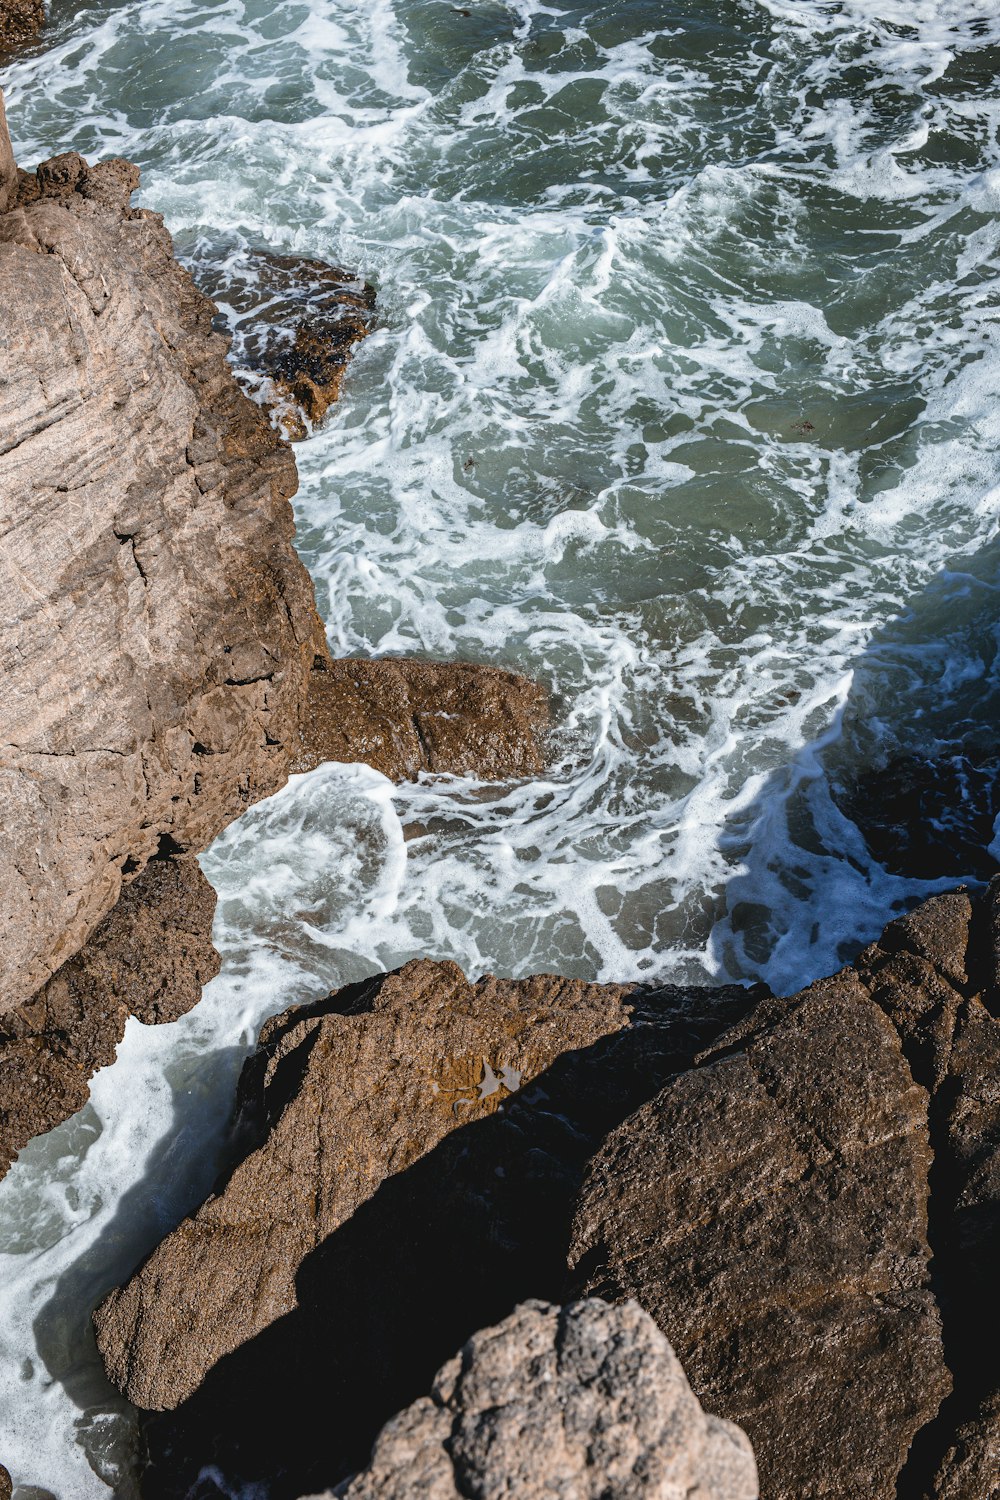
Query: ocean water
x=682 y=400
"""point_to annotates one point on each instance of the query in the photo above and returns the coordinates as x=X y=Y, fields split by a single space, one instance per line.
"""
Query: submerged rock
x=20 y=20
x=586 y=1401
x=296 y=321
x=149 y=958
x=158 y=628
x=404 y=717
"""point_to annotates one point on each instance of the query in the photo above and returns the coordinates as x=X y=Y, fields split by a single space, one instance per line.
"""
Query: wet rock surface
x=146 y=527
x=403 y=717
x=296 y=321
x=400 y=1197
x=150 y=958
x=929 y=816
x=587 y=1401
x=20 y=21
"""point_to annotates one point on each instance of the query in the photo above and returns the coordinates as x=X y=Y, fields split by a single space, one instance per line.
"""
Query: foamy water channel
x=683 y=401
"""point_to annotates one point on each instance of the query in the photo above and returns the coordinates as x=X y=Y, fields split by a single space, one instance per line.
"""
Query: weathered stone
x=8 y=169
x=146 y=529
x=6 y=1488
x=345 y=1100
x=20 y=20
x=296 y=323
x=768 y=1208
x=588 y=1402
x=404 y=717
x=459 y=1232
x=150 y=958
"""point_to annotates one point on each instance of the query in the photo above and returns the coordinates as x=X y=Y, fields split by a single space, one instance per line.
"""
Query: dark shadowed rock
x=454 y=1236
x=150 y=958
x=404 y=717
x=6 y=1487
x=588 y=1402
x=343 y=1101
x=769 y=1208
x=928 y=816
x=145 y=529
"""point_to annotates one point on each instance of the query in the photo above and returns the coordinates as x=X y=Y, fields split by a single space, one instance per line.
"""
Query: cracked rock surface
x=156 y=626
x=585 y=1402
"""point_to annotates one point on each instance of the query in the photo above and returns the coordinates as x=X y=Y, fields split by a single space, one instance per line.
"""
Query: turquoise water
x=682 y=400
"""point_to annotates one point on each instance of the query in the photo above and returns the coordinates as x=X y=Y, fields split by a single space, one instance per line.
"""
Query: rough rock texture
x=404 y=717
x=5 y=1484
x=441 y=1247
x=345 y=1100
x=145 y=527
x=150 y=958
x=20 y=20
x=769 y=1208
x=588 y=1402
x=295 y=321
x=8 y=169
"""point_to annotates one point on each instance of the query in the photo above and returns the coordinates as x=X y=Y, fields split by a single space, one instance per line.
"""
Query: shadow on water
x=898 y=800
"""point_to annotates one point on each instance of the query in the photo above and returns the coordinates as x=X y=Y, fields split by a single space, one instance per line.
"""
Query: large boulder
x=157 y=629
x=812 y=1213
x=588 y=1402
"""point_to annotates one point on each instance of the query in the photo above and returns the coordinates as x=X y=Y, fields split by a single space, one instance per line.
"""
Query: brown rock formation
x=8 y=168
x=343 y=1094
x=404 y=717
x=587 y=1401
x=149 y=958
x=351 y=1092
x=297 y=321
x=6 y=1488
x=769 y=1209
x=20 y=20
x=157 y=626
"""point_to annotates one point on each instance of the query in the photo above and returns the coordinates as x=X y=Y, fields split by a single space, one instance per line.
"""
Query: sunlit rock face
x=147 y=531
x=587 y=1401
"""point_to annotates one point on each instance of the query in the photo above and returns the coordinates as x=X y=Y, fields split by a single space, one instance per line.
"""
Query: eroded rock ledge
x=801 y=1192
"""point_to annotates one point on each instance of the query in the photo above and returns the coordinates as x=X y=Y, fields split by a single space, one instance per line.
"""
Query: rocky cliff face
x=157 y=626
x=586 y=1401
